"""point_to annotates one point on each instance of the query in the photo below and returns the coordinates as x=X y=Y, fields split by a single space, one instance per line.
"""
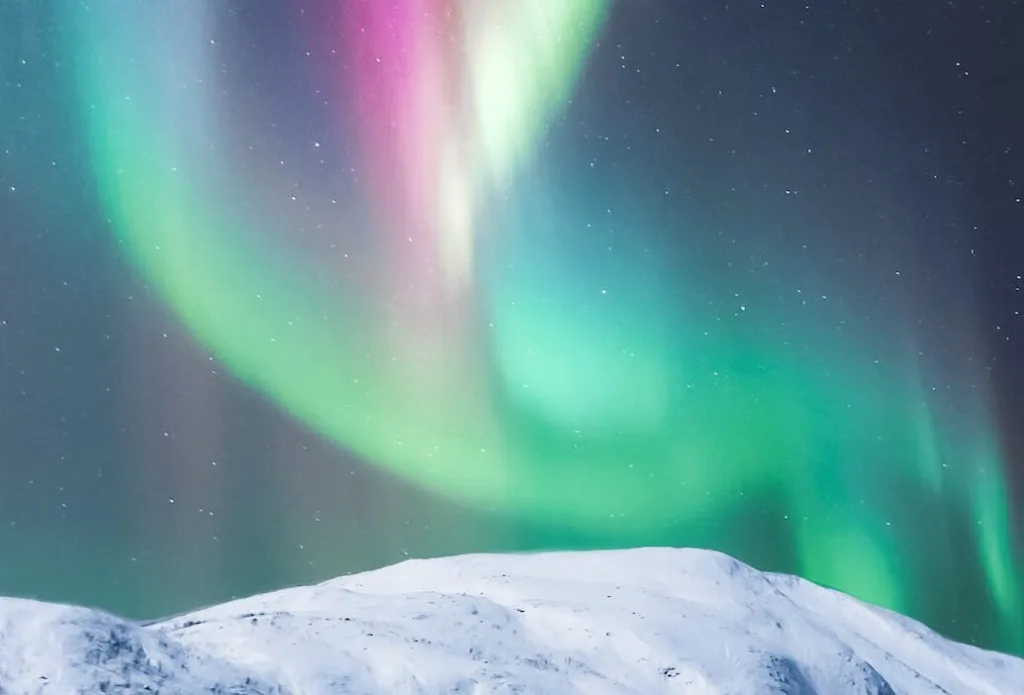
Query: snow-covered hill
x=639 y=621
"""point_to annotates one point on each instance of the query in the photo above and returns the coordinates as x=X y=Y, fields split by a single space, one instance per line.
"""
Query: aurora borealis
x=549 y=274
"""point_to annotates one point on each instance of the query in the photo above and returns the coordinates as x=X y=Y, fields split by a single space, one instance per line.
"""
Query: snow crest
x=630 y=622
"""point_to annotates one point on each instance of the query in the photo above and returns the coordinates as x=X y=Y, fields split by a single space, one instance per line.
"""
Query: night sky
x=295 y=289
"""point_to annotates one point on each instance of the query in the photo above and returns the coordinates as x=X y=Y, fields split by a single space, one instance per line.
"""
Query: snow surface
x=647 y=621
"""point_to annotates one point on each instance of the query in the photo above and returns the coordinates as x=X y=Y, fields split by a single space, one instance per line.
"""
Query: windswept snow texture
x=637 y=621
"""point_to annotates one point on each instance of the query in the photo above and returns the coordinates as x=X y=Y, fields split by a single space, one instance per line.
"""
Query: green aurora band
x=568 y=400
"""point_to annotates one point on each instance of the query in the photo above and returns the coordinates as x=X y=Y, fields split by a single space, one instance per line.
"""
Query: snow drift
x=614 y=622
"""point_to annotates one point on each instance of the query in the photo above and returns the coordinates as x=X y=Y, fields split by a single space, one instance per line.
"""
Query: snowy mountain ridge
x=645 y=621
